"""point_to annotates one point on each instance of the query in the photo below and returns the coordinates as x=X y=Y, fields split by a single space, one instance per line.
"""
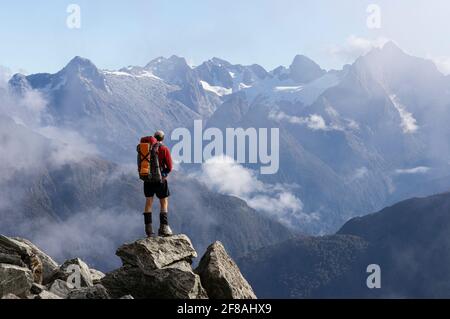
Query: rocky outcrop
x=75 y=272
x=156 y=268
x=47 y=295
x=10 y=296
x=94 y=292
x=60 y=287
x=221 y=277
x=49 y=266
x=14 y=252
x=157 y=252
x=15 y=280
x=96 y=275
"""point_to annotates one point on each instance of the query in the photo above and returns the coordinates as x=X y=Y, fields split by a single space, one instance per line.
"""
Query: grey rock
x=12 y=259
x=69 y=268
x=94 y=292
x=48 y=264
x=10 y=296
x=156 y=268
x=221 y=276
x=177 y=281
x=37 y=288
x=96 y=275
x=157 y=252
x=15 y=280
x=60 y=287
x=47 y=295
x=15 y=248
x=127 y=297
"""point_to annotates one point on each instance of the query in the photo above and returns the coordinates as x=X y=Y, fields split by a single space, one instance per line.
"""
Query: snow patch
x=143 y=74
x=219 y=90
x=243 y=86
x=290 y=89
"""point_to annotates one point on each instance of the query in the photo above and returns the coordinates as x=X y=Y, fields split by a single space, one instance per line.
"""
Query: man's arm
x=168 y=164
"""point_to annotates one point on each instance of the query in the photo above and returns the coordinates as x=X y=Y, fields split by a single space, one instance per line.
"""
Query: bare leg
x=148 y=204
x=164 y=202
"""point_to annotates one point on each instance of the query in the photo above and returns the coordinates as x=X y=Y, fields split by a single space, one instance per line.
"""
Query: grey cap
x=159 y=135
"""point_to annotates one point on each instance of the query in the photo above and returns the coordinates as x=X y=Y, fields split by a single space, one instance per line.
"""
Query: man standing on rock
x=160 y=187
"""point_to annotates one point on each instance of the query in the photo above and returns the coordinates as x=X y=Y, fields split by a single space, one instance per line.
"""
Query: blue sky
x=34 y=36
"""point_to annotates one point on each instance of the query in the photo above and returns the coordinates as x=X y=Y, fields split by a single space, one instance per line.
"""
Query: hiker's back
x=147 y=160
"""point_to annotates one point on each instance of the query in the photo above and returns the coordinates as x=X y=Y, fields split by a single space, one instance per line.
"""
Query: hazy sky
x=35 y=37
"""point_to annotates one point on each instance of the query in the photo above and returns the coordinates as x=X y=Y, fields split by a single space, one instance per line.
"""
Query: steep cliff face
x=152 y=268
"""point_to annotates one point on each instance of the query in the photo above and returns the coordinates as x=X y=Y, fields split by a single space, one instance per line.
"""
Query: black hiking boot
x=164 y=228
x=148 y=224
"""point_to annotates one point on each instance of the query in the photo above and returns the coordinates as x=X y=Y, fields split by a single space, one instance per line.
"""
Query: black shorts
x=160 y=189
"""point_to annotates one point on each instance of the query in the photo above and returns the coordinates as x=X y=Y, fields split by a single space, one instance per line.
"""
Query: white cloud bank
x=224 y=175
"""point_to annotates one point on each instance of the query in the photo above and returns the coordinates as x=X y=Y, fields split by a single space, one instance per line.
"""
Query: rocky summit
x=158 y=267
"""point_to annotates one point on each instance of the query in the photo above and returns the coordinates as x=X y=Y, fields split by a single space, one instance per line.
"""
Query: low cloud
x=314 y=122
x=415 y=170
x=442 y=63
x=408 y=122
x=224 y=175
x=5 y=75
x=94 y=235
x=69 y=146
x=355 y=47
x=361 y=173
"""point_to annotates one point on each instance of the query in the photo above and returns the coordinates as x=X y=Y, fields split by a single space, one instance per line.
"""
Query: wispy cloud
x=355 y=47
x=5 y=75
x=224 y=175
x=408 y=122
x=442 y=63
x=314 y=121
x=361 y=172
x=415 y=170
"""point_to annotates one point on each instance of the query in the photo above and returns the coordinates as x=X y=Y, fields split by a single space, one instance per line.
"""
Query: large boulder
x=15 y=280
x=16 y=253
x=96 y=275
x=221 y=277
x=47 y=295
x=60 y=288
x=157 y=252
x=9 y=296
x=156 y=268
x=75 y=272
x=48 y=264
x=176 y=281
x=94 y=292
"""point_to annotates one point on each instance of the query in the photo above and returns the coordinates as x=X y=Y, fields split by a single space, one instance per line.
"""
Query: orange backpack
x=148 y=162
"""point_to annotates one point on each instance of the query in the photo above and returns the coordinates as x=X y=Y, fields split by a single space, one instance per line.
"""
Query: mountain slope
x=410 y=241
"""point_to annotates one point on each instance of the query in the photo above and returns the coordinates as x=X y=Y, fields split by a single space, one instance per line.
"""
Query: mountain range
x=352 y=141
